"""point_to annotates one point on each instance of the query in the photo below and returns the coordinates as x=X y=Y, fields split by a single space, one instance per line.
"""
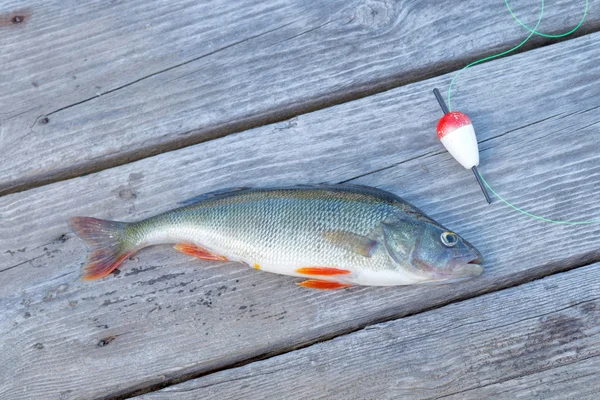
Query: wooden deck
x=119 y=110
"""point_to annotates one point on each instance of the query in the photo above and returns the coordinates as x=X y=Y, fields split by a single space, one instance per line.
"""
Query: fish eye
x=449 y=239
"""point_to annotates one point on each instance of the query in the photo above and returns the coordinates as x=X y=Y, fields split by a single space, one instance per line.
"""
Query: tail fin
x=108 y=244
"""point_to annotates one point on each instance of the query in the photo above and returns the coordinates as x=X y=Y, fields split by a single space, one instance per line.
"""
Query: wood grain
x=514 y=343
x=89 y=85
x=167 y=318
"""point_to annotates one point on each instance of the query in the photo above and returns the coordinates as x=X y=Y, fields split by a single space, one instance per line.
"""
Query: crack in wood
x=424 y=155
x=21 y=263
x=170 y=68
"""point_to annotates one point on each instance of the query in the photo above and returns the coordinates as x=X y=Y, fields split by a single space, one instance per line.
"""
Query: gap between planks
x=527 y=277
x=280 y=114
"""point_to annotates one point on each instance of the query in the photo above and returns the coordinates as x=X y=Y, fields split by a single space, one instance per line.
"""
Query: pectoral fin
x=362 y=245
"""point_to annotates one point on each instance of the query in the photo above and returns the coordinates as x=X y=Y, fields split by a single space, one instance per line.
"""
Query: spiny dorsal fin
x=212 y=194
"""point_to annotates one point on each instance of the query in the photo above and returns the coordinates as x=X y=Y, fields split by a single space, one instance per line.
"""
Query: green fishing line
x=533 y=215
x=531 y=33
x=494 y=55
x=545 y=34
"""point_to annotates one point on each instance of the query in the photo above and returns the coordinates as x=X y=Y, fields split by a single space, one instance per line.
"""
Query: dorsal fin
x=212 y=194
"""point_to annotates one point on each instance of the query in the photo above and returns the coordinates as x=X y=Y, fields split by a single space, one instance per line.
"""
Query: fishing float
x=456 y=133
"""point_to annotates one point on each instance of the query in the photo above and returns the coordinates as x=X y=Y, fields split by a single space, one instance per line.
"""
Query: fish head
x=432 y=252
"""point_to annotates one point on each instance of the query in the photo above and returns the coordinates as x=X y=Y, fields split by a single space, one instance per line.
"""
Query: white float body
x=456 y=133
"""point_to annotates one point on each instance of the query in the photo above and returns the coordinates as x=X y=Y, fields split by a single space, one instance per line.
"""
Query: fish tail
x=108 y=243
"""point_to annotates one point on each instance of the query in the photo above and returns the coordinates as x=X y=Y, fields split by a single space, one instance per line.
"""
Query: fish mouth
x=476 y=261
x=468 y=267
x=468 y=270
x=472 y=268
x=461 y=269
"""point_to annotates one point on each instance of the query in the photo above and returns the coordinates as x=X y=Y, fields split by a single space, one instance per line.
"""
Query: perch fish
x=333 y=235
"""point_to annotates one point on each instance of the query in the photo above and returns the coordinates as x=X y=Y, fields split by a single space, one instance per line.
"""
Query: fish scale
x=345 y=234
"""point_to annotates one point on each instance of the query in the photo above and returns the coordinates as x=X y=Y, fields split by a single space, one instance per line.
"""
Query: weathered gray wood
x=121 y=81
x=523 y=342
x=172 y=317
x=576 y=380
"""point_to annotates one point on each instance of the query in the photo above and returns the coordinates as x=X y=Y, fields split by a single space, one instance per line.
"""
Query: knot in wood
x=376 y=14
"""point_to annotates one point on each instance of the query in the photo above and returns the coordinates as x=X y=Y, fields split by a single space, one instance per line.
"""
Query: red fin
x=322 y=271
x=109 y=244
x=102 y=267
x=199 y=252
x=323 y=285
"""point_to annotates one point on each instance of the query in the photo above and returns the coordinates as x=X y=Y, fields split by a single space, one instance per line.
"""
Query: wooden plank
x=174 y=318
x=119 y=81
x=523 y=342
x=573 y=380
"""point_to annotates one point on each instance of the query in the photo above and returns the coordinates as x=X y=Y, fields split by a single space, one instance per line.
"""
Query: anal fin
x=323 y=285
x=198 y=252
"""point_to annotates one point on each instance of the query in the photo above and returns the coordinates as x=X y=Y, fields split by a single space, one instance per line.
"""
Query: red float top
x=451 y=122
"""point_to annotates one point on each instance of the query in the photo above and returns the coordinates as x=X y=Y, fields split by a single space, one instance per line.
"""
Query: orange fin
x=108 y=242
x=99 y=268
x=323 y=285
x=199 y=252
x=322 y=271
